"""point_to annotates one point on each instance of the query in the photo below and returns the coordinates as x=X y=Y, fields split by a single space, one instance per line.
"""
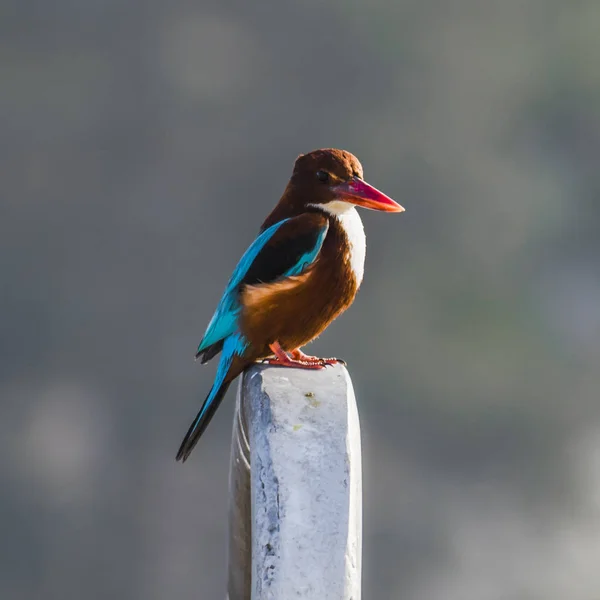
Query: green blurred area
x=142 y=145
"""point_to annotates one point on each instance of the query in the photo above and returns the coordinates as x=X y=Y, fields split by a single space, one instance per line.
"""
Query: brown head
x=329 y=178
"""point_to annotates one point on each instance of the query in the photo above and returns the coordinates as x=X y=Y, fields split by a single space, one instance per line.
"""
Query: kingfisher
x=300 y=273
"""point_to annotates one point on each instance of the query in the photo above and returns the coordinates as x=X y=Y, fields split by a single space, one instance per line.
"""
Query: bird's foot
x=291 y=362
x=297 y=354
x=296 y=358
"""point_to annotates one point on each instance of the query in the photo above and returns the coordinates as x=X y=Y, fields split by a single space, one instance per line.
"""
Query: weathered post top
x=295 y=487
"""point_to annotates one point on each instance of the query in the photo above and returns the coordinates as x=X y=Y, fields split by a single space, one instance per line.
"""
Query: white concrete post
x=295 y=513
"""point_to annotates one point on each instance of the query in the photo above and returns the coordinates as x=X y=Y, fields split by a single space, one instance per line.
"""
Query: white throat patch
x=350 y=221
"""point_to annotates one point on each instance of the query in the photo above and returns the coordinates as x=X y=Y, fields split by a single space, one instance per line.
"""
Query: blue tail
x=234 y=345
x=209 y=408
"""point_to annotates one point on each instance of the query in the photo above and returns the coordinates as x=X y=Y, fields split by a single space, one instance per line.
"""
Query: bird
x=301 y=272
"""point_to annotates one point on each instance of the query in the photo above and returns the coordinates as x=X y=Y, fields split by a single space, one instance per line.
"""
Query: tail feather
x=210 y=352
x=203 y=418
x=233 y=347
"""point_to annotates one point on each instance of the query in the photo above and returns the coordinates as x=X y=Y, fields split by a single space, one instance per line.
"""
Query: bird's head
x=332 y=179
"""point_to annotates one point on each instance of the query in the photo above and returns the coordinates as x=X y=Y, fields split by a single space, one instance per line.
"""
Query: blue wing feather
x=308 y=257
x=225 y=320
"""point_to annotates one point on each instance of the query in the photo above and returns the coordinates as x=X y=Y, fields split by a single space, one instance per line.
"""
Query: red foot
x=299 y=355
x=283 y=360
x=290 y=362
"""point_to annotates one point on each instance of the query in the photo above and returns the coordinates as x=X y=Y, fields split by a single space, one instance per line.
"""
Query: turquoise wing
x=285 y=249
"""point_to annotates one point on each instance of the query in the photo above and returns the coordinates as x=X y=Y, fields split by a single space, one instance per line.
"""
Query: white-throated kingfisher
x=301 y=272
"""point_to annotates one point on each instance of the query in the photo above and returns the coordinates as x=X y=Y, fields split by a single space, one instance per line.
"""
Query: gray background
x=143 y=142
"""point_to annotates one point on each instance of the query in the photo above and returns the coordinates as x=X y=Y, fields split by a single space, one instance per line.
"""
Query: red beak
x=359 y=192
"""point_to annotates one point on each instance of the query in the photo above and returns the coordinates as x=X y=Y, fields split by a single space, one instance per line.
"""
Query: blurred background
x=142 y=144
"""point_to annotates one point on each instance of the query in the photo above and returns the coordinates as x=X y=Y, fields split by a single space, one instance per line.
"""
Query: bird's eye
x=323 y=176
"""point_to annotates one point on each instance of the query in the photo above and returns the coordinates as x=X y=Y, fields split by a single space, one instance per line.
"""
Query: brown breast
x=296 y=310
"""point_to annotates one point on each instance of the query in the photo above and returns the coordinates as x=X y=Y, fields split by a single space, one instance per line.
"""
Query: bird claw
x=328 y=362
x=292 y=363
x=296 y=358
x=297 y=354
